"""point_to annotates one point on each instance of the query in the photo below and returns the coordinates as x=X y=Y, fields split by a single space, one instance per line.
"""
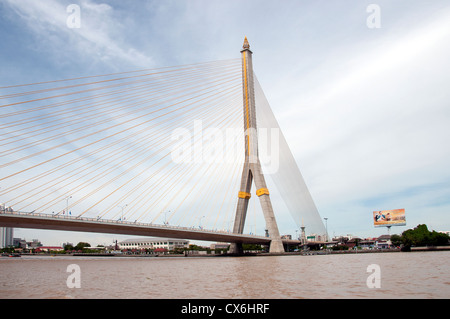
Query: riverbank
x=299 y=253
x=430 y=248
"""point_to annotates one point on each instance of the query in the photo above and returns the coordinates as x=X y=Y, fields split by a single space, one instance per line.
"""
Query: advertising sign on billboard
x=394 y=217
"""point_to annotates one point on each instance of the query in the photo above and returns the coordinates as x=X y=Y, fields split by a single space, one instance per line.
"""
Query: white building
x=219 y=246
x=6 y=237
x=153 y=243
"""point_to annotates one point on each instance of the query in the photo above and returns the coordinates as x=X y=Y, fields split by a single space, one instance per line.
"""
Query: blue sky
x=366 y=111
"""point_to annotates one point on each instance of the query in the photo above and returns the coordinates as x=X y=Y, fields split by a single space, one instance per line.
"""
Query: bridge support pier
x=236 y=249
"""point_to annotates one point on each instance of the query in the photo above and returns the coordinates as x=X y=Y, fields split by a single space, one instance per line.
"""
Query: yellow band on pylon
x=262 y=191
x=244 y=195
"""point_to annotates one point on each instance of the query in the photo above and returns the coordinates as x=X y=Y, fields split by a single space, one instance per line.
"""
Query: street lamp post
x=67 y=204
x=122 y=207
x=200 y=222
x=165 y=217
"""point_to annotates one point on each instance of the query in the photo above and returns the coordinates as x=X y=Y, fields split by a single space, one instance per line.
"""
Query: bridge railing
x=123 y=222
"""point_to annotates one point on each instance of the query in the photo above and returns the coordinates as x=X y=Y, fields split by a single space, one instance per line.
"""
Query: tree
x=421 y=236
x=396 y=240
x=251 y=247
x=68 y=247
x=195 y=247
x=82 y=245
x=438 y=239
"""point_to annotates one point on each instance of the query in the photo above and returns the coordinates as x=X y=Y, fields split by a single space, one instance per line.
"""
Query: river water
x=401 y=275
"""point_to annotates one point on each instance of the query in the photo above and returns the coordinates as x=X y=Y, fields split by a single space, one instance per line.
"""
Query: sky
x=361 y=95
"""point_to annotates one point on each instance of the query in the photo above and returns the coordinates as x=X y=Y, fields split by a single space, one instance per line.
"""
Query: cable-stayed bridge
x=158 y=152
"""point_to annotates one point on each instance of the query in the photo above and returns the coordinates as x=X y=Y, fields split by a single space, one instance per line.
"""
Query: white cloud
x=100 y=37
x=377 y=89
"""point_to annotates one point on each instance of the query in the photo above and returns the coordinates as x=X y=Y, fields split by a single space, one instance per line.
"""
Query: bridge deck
x=82 y=224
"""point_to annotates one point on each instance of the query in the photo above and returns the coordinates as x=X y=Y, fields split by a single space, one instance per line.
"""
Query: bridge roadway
x=84 y=224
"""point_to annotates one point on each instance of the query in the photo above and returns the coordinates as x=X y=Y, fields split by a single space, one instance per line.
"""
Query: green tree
x=421 y=236
x=82 y=245
x=68 y=247
x=438 y=239
x=396 y=240
x=251 y=247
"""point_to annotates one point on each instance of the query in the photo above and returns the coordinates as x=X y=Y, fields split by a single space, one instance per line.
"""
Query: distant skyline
x=365 y=110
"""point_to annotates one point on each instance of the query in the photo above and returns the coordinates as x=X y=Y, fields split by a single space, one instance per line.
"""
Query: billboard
x=394 y=217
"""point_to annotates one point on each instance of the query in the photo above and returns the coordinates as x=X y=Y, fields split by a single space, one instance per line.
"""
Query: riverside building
x=153 y=243
x=6 y=237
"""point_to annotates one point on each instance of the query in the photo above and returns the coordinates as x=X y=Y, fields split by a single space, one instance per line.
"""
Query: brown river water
x=399 y=275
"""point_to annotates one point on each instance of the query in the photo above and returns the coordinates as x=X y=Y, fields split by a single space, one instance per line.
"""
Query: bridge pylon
x=252 y=167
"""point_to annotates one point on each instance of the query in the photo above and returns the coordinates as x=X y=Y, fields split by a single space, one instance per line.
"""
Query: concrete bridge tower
x=252 y=166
